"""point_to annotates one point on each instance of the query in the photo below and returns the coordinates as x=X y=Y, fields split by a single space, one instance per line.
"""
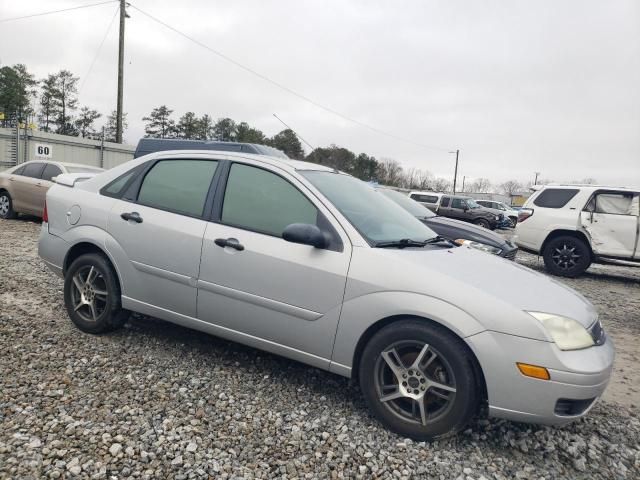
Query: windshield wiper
x=438 y=239
x=403 y=243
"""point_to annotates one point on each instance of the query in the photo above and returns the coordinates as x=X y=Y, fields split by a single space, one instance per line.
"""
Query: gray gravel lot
x=155 y=400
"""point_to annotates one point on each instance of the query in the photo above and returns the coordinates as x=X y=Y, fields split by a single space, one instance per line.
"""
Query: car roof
x=287 y=163
x=425 y=192
x=55 y=162
x=582 y=186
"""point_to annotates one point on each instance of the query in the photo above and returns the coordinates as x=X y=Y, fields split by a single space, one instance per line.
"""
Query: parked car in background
x=151 y=145
x=573 y=226
x=466 y=209
x=363 y=288
x=461 y=233
x=506 y=210
x=428 y=199
x=23 y=187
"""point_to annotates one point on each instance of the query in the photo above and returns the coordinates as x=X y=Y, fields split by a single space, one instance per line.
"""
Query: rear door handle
x=134 y=216
x=229 y=242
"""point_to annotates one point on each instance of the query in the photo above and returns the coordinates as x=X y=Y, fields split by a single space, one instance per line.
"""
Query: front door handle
x=229 y=242
x=135 y=216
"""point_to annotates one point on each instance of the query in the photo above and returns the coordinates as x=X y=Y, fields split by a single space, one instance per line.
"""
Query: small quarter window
x=179 y=186
x=555 y=197
x=444 y=202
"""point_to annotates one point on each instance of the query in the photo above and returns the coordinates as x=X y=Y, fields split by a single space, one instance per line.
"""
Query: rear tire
x=430 y=391
x=566 y=256
x=6 y=206
x=92 y=295
x=481 y=222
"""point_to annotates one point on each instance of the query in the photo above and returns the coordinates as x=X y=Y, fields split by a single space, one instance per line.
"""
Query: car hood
x=494 y=290
x=467 y=231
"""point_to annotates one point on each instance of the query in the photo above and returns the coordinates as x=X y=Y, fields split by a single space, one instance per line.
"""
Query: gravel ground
x=155 y=400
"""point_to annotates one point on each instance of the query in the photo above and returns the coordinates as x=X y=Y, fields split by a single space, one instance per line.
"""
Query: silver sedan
x=313 y=264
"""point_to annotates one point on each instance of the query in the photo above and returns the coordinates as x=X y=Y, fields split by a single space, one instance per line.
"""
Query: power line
x=84 y=79
x=295 y=133
x=284 y=87
x=55 y=11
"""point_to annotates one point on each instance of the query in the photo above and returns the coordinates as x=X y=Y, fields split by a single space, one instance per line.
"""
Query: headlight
x=479 y=246
x=565 y=332
x=497 y=218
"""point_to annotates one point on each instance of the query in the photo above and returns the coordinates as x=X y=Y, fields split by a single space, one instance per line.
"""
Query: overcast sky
x=519 y=86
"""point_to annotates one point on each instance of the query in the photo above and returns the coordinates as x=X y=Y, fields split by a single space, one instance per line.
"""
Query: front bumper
x=578 y=377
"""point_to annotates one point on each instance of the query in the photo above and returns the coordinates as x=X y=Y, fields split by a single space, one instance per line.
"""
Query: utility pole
x=535 y=182
x=455 y=173
x=463 y=179
x=123 y=15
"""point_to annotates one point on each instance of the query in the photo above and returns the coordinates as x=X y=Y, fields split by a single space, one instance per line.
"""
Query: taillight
x=45 y=214
x=524 y=213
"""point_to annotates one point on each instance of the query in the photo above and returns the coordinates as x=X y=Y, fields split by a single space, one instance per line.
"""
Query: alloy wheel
x=89 y=293
x=566 y=256
x=415 y=382
x=4 y=205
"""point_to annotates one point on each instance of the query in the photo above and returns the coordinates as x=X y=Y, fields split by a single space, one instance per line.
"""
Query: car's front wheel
x=566 y=256
x=92 y=295
x=6 y=206
x=482 y=222
x=418 y=380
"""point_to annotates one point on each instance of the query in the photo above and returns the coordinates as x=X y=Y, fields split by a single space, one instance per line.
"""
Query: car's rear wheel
x=6 y=206
x=418 y=380
x=482 y=223
x=92 y=295
x=566 y=256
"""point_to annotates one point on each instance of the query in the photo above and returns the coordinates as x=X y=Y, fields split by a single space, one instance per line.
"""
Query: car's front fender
x=360 y=313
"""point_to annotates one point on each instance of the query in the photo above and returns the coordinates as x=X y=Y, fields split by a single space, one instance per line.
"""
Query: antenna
x=296 y=133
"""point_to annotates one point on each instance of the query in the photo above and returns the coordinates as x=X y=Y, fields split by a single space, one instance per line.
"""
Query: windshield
x=472 y=203
x=83 y=169
x=414 y=208
x=377 y=218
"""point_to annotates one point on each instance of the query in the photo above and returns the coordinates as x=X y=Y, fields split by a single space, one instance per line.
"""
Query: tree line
x=53 y=102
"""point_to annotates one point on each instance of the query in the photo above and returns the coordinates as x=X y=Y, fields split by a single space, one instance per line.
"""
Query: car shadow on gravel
x=335 y=389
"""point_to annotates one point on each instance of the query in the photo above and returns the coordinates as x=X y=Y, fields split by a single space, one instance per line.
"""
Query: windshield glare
x=376 y=217
x=414 y=208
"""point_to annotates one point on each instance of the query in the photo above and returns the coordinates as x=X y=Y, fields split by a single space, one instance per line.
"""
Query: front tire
x=481 y=222
x=6 y=207
x=566 y=256
x=419 y=380
x=92 y=295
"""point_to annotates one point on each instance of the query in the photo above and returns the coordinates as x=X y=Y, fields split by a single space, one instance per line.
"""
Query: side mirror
x=306 y=234
x=465 y=207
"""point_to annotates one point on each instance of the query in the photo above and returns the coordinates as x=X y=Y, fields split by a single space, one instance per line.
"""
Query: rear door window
x=33 y=170
x=444 y=202
x=616 y=203
x=458 y=203
x=50 y=171
x=179 y=186
x=555 y=197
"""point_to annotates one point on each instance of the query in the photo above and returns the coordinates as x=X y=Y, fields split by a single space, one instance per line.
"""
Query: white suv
x=573 y=226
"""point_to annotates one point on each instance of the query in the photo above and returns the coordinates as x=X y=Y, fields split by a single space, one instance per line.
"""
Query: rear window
x=33 y=170
x=424 y=198
x=555 y=197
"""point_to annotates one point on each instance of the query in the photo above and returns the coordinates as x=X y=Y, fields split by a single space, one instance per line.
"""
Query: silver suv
x=313 y=264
